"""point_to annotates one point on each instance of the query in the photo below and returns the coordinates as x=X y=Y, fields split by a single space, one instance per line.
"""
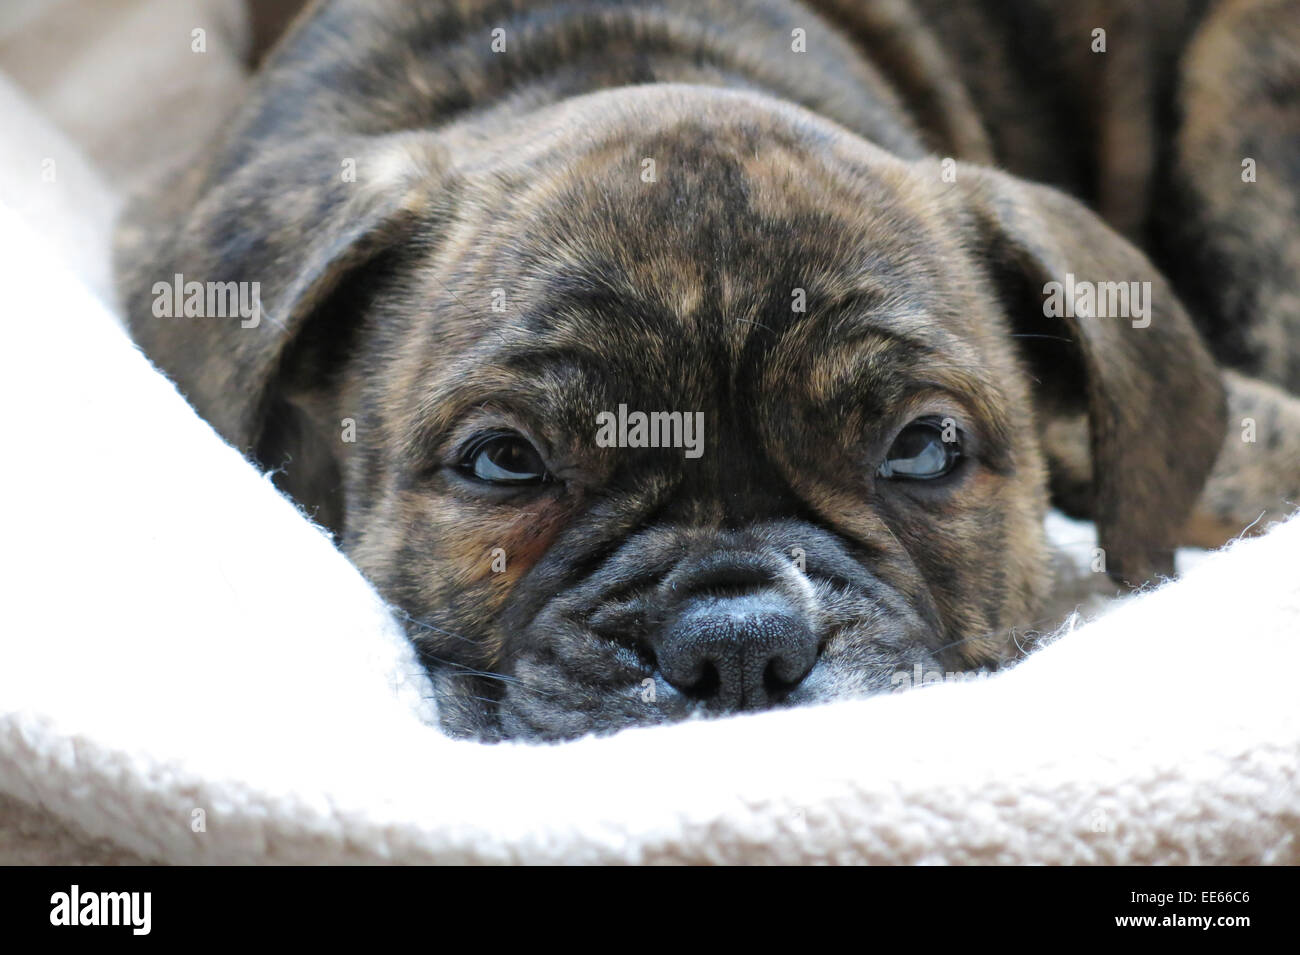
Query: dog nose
x=737 y=652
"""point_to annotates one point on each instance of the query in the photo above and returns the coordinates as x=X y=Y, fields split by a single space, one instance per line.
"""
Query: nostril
x=706 y=685
x=784 y=672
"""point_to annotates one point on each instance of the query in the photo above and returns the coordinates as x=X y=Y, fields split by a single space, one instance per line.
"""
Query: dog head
x=667 y=401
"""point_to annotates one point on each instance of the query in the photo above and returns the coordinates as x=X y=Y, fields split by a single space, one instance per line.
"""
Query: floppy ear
x=288 y=226
x=1152 y=396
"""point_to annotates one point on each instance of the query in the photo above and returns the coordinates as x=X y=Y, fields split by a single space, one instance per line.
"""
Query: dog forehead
x=689 y=247
x=590 y=331
x=698 y=232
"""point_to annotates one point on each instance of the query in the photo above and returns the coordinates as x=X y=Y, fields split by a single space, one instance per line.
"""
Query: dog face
x=836 y=477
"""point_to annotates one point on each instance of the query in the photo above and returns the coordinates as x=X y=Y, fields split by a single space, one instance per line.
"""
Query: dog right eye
x=503 y=458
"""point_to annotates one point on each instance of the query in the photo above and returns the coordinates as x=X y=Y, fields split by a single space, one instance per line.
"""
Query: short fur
x=520 y=172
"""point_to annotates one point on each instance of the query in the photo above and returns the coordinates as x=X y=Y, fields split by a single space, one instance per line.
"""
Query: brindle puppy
x=480 y=226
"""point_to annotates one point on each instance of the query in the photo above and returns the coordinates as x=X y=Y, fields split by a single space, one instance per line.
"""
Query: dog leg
x=1255 y=481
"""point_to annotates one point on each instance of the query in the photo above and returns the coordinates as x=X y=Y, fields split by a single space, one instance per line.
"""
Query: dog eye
x=921 y=453
x=503 y=458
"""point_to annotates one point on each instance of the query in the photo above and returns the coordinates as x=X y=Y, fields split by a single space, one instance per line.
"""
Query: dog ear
x=289 y=227
x=1152 y=396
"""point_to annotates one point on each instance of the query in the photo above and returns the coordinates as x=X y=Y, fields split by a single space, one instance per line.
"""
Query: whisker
x=1055 y=338
x=474 y=316
x=432 y=627
x=1034 y=627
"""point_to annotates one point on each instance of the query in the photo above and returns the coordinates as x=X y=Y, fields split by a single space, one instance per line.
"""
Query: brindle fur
x=776 y=170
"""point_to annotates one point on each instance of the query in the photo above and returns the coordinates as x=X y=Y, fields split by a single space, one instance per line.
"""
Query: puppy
x=668 y=358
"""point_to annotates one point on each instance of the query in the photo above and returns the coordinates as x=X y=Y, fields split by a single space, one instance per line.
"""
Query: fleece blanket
x=191 y=673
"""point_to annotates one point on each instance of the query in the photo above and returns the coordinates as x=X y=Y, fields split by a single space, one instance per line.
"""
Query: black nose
x=737 y=652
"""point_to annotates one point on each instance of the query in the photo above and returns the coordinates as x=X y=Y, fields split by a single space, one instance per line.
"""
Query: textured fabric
x=190 y=672
x=175 y=636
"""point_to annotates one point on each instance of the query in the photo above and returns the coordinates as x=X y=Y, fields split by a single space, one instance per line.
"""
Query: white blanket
x=190 y=672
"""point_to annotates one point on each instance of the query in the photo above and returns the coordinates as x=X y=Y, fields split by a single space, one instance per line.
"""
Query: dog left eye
x=504 y=459
x=921 y=453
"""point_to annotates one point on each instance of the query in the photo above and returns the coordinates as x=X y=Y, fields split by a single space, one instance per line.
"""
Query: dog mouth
x=729 y=632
